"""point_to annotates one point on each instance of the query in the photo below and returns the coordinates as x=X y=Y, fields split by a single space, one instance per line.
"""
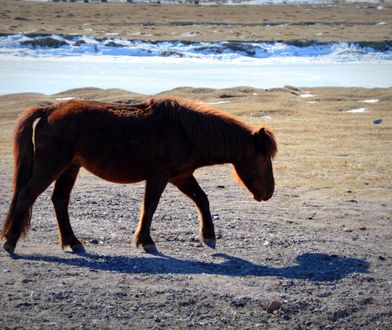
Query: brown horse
x=160 y=141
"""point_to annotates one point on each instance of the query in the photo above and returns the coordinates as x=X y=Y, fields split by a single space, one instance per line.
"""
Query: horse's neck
x=227 y=153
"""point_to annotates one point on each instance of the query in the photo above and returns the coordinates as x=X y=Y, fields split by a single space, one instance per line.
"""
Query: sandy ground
x=319 y=252
x=296 y=23
x=316 y=256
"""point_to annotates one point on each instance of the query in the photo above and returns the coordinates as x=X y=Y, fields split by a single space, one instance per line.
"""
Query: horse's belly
x=124 y=166
x=112 y=173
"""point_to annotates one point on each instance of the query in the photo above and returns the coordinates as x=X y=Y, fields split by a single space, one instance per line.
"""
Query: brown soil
x=296 y=23
x=317 y=255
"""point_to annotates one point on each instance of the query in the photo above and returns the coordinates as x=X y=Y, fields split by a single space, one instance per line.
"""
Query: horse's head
x=255 y=171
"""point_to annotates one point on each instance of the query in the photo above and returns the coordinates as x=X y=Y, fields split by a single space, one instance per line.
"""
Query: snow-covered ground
x=60 y=46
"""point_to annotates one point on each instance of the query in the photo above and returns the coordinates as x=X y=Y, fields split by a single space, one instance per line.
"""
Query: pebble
x=239 y=301
x=121 y=294
x=273 y=306
x=215 y=216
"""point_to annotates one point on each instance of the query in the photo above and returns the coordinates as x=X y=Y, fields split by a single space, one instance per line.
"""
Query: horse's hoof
x=9 y=249
x=150 y=248
x=77 y=249
x=210 y=242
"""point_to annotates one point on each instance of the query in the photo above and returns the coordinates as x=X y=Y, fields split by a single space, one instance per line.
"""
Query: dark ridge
x=44 y=42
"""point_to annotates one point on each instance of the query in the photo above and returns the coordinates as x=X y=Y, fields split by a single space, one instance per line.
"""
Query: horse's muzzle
x=264 y=197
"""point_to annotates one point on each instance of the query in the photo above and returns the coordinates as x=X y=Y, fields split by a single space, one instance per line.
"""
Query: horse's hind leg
x=18 y=218
x=60 y=199
x=191 y=188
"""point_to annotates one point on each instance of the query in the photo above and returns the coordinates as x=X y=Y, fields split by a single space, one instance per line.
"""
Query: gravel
x=287 y=263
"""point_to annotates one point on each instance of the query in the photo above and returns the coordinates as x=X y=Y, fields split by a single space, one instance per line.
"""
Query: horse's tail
x=23 y=162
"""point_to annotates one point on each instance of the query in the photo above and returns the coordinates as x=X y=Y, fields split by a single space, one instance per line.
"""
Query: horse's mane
x=211 y=131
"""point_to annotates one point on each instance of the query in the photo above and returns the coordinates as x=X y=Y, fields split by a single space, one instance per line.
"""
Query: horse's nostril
x=268 y=196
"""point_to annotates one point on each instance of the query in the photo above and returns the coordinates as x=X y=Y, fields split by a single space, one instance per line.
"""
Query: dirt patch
x=299 y=24
x=317 y=255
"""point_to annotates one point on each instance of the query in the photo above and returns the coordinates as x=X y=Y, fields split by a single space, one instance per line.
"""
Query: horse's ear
x=265 y=142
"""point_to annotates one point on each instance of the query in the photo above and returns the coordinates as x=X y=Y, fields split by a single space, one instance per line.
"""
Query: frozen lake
x=153 y=74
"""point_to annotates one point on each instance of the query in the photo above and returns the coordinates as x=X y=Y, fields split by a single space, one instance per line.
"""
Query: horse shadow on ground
x=315 y=267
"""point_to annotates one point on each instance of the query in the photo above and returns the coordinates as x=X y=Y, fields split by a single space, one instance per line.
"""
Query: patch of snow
x=265 y=116
x=217 y=102
x=307 y=95
x=188 y=34
x=358 y=110
x=61 y=99
x=372 y=101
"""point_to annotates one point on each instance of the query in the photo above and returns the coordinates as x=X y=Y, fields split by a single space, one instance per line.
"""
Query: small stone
x=362 y=228
x=273 y=306
x=381 y=258
x=239 y=301
x=266 y=243
x=94 y=241
x=348 y=230
x=121 y=294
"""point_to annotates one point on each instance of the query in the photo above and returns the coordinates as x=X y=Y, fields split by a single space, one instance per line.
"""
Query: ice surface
x=150 y=75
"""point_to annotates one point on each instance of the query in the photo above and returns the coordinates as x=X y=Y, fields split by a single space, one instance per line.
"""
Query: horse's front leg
x=191 y=188
x=153 y=191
